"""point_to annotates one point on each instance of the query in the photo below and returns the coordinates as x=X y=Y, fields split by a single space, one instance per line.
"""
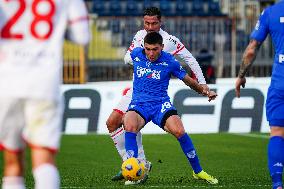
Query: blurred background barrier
x=222 y=28
x=88 y=106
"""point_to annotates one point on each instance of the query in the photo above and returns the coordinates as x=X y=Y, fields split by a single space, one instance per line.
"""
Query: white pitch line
x=251 y=135
x=210 y=186
x=177 y=186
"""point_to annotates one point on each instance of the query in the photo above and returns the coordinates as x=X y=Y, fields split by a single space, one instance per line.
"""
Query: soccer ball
x=133 y=169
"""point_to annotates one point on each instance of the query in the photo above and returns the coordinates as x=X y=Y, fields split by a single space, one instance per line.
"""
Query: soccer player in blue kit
x=153 y=69
x=271 y=21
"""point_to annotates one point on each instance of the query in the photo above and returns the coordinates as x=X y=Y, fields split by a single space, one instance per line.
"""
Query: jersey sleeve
x=261 y=28
x=177 y=69
x=179 y=50
x=135 y=43
x=78 y=24
x=134 y=53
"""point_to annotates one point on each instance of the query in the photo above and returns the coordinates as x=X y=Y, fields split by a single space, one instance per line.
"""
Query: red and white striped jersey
x=171 y=45
x=31 y=39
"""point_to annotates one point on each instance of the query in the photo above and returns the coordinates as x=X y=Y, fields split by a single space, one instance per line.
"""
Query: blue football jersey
x=271 y=21
x=151 y=79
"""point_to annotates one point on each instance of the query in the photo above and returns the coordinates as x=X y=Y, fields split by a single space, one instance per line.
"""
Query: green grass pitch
x=238 y=161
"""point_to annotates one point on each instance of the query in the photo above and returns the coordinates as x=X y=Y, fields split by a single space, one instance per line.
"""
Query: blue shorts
x=275 y=107
x=158 y=113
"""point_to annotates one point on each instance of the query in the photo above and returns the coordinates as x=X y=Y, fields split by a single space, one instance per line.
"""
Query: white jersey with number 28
x=31 y=39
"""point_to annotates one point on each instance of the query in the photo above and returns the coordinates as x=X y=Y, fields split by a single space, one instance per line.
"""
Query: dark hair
x=153 y=38
x=152 y=11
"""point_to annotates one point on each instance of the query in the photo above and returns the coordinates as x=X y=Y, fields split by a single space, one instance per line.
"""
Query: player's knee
x=14 y=168
x=13 y=164
x=277 y=131
x=131 y=128
x=113 y=124
x=42 y=156
x=179 y=132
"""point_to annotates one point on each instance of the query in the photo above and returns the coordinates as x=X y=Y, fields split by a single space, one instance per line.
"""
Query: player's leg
x=45 y=171
x=11 y=126
x=133 y=122
x=117 y=132
x=46 y=117
x=276 y=156
x=174 y=126
x=13 y=170
x=275 y=116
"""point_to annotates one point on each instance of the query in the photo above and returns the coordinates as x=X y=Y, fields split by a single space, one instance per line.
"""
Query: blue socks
x=189 y=151
x=131 y=145
x=276 y=160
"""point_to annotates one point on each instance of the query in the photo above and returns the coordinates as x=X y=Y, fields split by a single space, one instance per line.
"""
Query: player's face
x=153 y=51
x=152 y=24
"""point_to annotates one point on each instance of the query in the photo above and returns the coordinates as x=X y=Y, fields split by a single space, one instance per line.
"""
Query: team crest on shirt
x=148 y=64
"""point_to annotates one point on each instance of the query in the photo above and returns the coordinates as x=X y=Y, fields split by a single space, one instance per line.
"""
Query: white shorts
x=36 y=122
x=124 y=102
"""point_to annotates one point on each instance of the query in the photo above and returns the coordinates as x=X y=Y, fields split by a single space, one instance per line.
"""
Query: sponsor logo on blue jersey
x=148 y=72
x=162 y=63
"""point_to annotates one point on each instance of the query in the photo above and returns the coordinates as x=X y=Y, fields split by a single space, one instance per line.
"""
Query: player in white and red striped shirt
x=31 y=40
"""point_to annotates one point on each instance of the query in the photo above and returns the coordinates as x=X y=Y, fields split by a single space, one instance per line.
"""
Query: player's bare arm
x=205 y=87
x=248 y=59
x=199 y=88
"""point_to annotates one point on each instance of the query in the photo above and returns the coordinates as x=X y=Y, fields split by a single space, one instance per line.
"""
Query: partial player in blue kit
x=271 y=21
x=153 y=69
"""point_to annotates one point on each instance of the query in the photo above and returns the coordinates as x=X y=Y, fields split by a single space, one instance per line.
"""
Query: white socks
x=46 y=176
x=13 y=182
x=141 y=154
x=118 y=137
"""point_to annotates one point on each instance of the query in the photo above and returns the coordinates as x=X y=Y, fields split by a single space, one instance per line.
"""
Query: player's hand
x=205 y=87
x=239 y=82
x=211 y=95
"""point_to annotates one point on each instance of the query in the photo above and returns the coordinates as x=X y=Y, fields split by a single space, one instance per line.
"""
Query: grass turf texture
x=89 y=161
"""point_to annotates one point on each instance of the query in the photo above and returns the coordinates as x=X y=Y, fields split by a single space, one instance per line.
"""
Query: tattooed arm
x=248 y=58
